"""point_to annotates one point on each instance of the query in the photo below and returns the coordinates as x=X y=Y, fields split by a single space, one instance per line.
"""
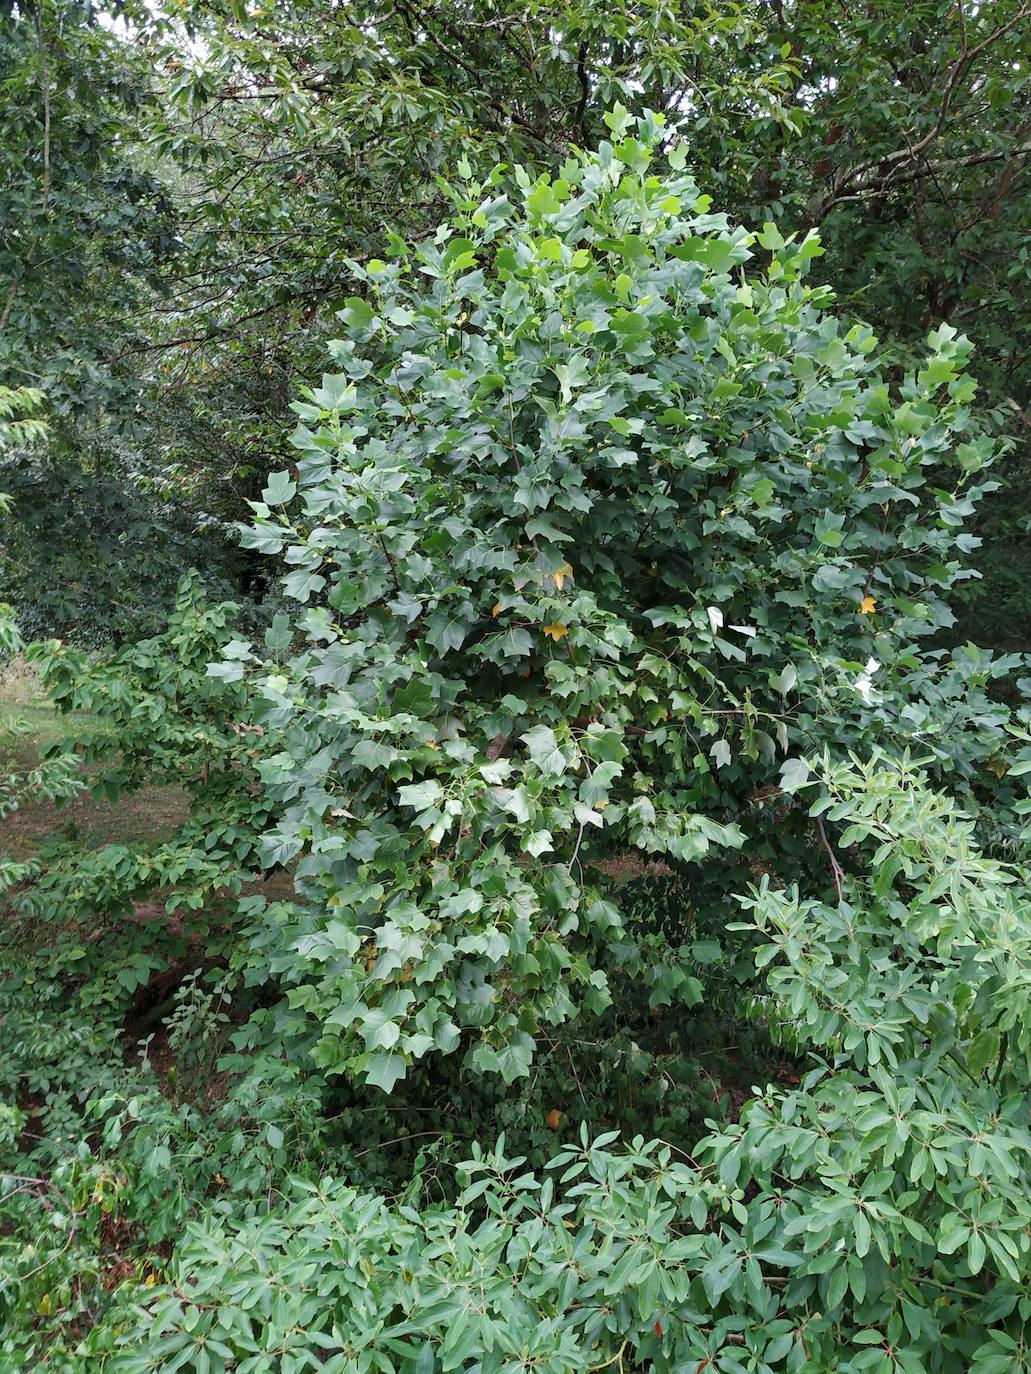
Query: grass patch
x=29 y=725
x=29 y=722
x=19 y=682
x=27 y=730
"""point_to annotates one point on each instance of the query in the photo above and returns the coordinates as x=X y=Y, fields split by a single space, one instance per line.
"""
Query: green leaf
x=543 y=748
x=385 y=1070
x=828 y=529
x=447 y=629
x=794 y=773
x=421 y=794
x=357 y=313
x=279 y=489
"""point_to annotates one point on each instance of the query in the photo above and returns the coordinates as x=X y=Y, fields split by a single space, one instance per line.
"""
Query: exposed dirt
x=148 y=814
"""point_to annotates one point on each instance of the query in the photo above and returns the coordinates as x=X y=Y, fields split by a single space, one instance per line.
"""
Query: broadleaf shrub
x=605 y=544
x=875 y=1217
x=594 y=530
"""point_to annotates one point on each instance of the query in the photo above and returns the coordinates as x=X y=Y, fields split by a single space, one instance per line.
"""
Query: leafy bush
x=593 y=531
x=156 y=717
x=602 y=533
x=875 y=1217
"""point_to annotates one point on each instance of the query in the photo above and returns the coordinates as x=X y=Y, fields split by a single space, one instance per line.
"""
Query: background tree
x=911 y=156
x=100 y=527
x=201 y=199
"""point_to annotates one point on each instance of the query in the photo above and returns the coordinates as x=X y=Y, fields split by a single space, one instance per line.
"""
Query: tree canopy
x=196 y=179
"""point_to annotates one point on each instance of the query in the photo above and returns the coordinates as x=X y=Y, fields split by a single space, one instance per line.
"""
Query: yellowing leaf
x=556 y=632
x=560 y=575
x=496 y=611
x=868 y=605
x=44 y=1307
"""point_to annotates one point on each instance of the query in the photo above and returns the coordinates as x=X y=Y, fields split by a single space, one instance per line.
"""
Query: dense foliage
x=874 y=1217
x=598 y=783
x=522 y=869
x=189 y=182
x=571 y=529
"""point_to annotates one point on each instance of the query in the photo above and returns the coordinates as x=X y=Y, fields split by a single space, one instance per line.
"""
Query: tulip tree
x=590 y=533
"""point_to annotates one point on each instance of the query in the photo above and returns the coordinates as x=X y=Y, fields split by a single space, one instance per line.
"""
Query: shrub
x=875 y=1217
x=594 y=529
x=600 y=533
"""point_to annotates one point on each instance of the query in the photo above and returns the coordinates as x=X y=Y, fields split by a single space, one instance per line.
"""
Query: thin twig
x=576 y=849
x=617 y=1356
x=836 y=868
x=382 y=1144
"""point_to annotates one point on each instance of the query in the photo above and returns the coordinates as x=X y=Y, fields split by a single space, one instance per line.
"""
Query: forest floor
x=29 y=724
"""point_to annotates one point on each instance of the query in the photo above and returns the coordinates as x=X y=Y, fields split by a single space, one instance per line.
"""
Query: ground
x=28 y=724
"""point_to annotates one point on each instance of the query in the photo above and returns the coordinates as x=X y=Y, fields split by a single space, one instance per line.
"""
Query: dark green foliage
x=603 y=543
x=86 y=225
x=596 y=533
x=911 y=155
x=563 y=787
x=196 y=239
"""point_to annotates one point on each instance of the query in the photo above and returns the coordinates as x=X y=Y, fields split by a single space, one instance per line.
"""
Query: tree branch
x=837 y=871
x=849 y=186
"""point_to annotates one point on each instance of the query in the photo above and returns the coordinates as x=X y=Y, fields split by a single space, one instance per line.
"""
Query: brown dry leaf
x=496 y=747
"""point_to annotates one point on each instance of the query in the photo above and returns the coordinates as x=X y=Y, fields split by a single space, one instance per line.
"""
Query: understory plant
x=874 y=1217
